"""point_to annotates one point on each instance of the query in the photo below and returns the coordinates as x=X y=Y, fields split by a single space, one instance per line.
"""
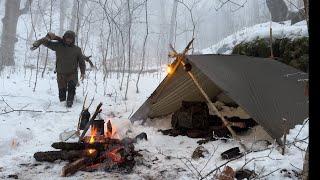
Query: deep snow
x=24 y=133
x=285 y=30
x=164 y=157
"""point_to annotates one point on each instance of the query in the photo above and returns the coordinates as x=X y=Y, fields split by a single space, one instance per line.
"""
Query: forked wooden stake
x=173 y=54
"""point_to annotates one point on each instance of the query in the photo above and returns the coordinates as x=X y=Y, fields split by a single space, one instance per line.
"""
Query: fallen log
x=100 y=146
x=51 y=156
x=75 y=166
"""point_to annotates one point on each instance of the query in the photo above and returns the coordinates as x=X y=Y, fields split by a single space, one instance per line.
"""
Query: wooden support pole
x=233 y=133
x=271 y=48
x=284 y=135
x=169 y=77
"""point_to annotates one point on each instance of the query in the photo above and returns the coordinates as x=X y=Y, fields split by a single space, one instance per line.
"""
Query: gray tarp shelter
x=266 y=89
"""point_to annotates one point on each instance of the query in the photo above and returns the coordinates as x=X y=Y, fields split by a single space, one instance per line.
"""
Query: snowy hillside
x=285 y=30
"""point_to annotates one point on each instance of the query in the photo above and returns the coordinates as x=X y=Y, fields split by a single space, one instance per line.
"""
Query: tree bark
x=80 y=8
x=306 y=9
x=278 y=10
x=47 y=53
x=73 y=21
x=75 y=166
x=173 y=22
x=62 y=16
x=129 y=48
x=81 y=146
x=8 y=36
x=305 y=172
x=51 y=156
x=144 y=46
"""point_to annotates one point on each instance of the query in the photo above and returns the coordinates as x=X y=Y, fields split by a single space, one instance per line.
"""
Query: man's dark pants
x=67 y=83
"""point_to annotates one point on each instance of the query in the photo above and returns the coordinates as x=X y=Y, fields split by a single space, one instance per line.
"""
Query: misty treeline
x=127 y=36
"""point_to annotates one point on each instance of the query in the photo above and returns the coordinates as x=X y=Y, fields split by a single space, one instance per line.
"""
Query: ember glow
x=91 y=151
x=115 y=155
x=93 y=133
x=169 y=69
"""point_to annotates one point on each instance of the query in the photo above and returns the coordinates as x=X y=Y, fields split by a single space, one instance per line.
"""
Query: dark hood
x=71 y=35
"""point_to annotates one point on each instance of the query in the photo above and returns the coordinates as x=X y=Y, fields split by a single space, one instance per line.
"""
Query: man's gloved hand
x=82 y=76
x=37 y=43
x=51 y=36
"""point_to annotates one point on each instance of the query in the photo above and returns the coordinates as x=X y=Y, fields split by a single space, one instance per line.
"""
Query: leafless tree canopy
x=131 y=36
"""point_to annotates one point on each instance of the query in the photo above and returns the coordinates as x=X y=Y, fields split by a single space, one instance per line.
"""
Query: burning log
x=75 y=166
x=84 y=145
x=51 y=156
x=99 y=151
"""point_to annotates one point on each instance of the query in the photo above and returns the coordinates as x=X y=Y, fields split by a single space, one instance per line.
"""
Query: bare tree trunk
x=305 y=172
x=256 y=12
x=35 y=22
x=122 y=55
x=163 y=34
x=80 y=8
x=105 y=52
x=9 y=30
x=50 y=24
x=144 y=46
x=62 y=16
x=306 y=10
x=38 y=56
x=129 y=48
x=72 y=23
x=173 y=22
x=278 y=10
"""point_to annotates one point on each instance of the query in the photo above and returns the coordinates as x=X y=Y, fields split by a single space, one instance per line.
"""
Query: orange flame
x=93 y=133
x=169 y=69
x=91 y=141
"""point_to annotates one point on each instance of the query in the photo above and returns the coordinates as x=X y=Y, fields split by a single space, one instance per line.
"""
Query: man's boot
x=62 y=94
x=71 y=93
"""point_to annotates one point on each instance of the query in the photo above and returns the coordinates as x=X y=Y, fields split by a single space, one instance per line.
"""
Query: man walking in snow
x=68 y=58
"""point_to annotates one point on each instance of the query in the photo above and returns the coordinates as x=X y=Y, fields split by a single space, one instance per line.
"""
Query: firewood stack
x=106 y=154
x=99 y=151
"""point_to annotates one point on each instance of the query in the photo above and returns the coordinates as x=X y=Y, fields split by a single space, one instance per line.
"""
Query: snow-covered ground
x=164 y=157
x=285 y=30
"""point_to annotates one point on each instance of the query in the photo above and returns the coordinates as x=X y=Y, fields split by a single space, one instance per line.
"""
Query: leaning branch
x=238 y=5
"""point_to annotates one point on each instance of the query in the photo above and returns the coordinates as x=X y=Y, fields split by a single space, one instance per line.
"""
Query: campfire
x=100 y=150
